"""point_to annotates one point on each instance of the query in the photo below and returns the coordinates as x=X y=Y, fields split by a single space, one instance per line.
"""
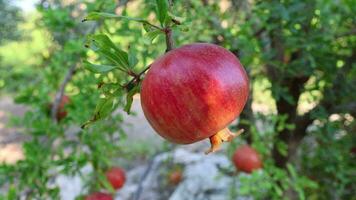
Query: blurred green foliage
x=9 y=18
x=299 y=54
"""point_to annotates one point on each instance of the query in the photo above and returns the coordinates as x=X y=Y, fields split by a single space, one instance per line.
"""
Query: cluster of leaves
x=61 y=148
x=9 y=19
x=121 y=61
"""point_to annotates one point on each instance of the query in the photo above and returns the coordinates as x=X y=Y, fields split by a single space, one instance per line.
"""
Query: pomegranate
x=61 y=113
x=99 y=196
x=353 y=150
x=194 y=92
x=116 y=177
x=246 y=159
x=175 y=177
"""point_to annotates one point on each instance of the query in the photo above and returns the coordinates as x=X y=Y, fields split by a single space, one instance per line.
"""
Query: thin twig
x=143 y=178
x=137 y=78
x=60 y=92
x=152 y=25
x=67 y=78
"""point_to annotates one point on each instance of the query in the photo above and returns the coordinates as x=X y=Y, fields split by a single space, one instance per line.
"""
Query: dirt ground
x=10 y=138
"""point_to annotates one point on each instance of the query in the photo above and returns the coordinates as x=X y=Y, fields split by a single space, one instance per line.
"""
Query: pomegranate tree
x=99 y=196
x=194 y=92
x=116 y=177
x=246 y=159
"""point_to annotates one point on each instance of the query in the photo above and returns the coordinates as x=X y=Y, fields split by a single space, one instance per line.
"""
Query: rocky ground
x=202 y=179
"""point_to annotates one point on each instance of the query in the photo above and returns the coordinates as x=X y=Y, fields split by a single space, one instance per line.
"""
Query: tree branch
x=144 y=176
x=60 y=93
x=67 y=78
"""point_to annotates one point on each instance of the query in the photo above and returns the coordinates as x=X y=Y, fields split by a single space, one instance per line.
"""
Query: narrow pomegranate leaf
x=132 y=60
x=98 y=68
x=150 y=36
x=175 y=18
x=103 y=108
x=107 y=185
x=162 y=10
x=147 y=27
x=129 y=98
x=102 y=15
x=109 y=89
x=103 y=45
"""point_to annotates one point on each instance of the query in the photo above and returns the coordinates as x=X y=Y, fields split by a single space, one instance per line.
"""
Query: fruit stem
x=225 y=135
x=169 y=38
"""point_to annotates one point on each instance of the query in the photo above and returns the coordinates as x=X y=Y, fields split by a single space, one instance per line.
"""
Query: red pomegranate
x=194 y=92
x=116 y=177
x=99 y=196
x=246 y=159
x=175 y=177
x=62 y=113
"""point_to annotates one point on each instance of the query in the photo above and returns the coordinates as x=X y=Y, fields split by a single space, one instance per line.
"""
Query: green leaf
x=12 y=193
x=152 y=35
x=102 y=44
x=162 y=10
x=184 y=28
x=175 y=18
x=132 y=60
x=102 y=15
x=282 y=148
x=129 y=98
x=98 y=68
x=103 y=108
x=148 y=27
x=292 y=171
x=105 y=182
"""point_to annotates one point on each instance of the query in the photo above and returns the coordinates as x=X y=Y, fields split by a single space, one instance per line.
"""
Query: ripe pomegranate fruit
x=246 y=159
x=99 y=196
x=116 y=177
x=175 y=177
x=194 y=92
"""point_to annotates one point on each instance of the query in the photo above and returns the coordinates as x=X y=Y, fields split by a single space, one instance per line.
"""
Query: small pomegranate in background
x=353 y=150
x=61 y=113
x=175 y=177
x=246 y=159
x=99 y=196
x=194 y=92
x=116 y=177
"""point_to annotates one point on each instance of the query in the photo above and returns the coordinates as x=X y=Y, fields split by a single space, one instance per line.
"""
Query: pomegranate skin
x=116 y=177
x=246 y=159
x=193 y=92
x=99 y=196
